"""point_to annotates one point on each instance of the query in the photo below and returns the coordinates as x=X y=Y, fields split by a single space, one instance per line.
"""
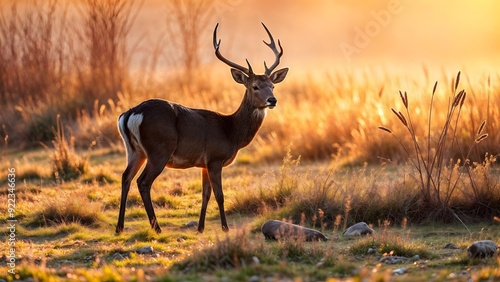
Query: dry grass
x=89 y=85
x=331 y=197
x=66 y=162
x=64 y=208
x=81 y=70
x=68 y=226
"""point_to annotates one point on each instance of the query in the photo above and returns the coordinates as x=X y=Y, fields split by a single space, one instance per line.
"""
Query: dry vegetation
x=320 y=159
x=76 y=64
x=66 y=229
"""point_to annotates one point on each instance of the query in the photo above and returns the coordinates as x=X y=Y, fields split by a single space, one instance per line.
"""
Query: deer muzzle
x=271 y=102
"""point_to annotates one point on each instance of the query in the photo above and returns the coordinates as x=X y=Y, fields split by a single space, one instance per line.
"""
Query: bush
x=233 y=251
x=67 y=207
x=66 y=163
x=437 y=170
x=391 y=244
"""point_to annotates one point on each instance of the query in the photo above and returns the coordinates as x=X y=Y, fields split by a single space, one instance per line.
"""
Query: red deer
x=166 y=134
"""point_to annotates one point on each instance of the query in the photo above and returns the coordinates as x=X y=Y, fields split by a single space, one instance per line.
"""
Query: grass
x=333 y=114
x=319 y=161
x=70 y=245
x=66 y=163
x=435 y=171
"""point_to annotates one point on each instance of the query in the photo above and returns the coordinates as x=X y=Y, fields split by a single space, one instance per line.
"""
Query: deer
x=166 y=134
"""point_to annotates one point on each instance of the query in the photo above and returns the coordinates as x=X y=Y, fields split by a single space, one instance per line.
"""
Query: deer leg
x=154 y=167
x=215 y=176
x=207 y=191
x=135 y=161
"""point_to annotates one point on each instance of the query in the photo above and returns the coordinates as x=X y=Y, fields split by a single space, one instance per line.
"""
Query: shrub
x=268 y=198
x=437 y=170
x=66 y=163
x=232 y=251
x=67 y=207
x=390 y=244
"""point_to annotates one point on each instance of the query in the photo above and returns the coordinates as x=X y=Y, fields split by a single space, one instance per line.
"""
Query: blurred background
x=324 y=35
x=87 y=61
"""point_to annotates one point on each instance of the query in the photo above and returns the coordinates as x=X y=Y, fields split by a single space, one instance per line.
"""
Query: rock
x=145 y=250
x=275 y=230
x=451 y=246
x=371 y=251
x=254 y=278
x=460 y=276
x=255 y=260
x=399 y=271
x=393 y=259
x=415 y=258
x=191 y=224
x=482 y=249
x=359 y=229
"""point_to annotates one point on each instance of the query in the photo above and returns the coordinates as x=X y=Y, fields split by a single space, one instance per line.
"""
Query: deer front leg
x=207 y=191
x=215 y=176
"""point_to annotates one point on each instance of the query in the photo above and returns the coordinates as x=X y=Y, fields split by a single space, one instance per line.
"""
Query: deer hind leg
x=135 y=161
x=154 y=167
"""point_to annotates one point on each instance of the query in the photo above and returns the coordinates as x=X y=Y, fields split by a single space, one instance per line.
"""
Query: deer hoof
x=225 y=228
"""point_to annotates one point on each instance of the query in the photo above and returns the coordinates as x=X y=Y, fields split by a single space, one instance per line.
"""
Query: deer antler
x=272 y=45
x=248 y=71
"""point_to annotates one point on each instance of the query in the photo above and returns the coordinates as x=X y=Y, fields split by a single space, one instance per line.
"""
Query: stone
x=191 y=224
x=359 y=229
x=451 y=246
x=275 y=230
x=415 y=258
x=254 y=278
x=145 y=250
x=255 y=260
x=482 y=249
x=393 y=259
x=399 y=271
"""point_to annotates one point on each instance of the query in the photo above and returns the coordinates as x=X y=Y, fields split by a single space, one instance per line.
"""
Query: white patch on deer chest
x=260 y=113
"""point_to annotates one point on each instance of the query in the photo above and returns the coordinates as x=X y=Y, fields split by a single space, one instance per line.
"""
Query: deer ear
x=279 y=75
x=239 y=76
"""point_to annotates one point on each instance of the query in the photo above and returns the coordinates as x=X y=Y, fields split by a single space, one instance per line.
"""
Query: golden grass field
x=371 y=125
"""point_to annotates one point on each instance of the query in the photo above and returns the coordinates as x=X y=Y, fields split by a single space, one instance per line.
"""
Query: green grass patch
x=391 y=244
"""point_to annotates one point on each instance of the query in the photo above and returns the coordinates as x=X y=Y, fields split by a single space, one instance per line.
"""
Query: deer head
x=259 y=87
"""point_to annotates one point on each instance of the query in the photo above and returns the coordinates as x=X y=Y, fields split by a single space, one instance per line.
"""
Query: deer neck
x=246 y=121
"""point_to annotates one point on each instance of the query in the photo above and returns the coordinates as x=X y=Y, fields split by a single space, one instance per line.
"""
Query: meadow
x=413 y=156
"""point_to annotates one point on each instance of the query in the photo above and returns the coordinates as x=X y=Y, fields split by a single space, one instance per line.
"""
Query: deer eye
x=255 y=88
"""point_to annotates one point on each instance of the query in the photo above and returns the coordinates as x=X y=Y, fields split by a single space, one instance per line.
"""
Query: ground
x=78 y=240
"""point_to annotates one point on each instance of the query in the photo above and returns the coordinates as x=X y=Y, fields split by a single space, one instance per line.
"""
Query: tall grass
x=334 y=198
x=437 y=155
x=75 y=60
x=66 y=163
x=64 y=208
x=56 y=63
x=107 y=55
